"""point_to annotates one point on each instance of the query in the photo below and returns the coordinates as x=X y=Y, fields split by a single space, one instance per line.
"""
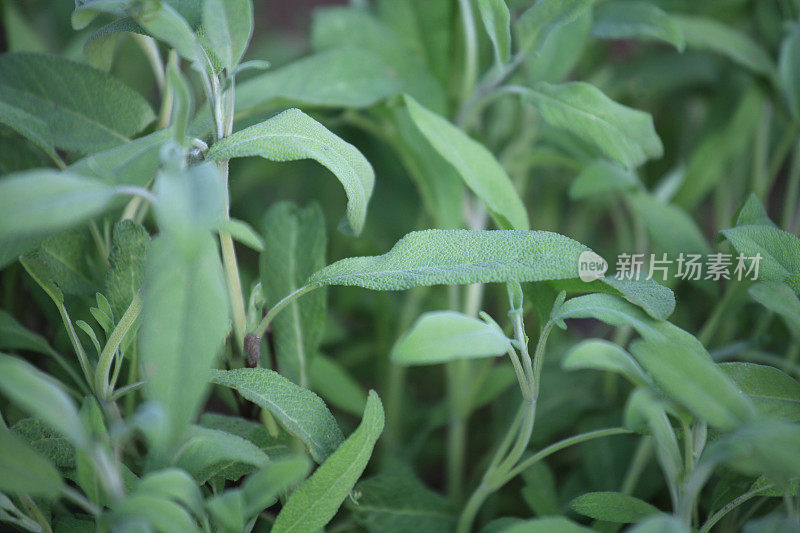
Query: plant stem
x=791 y=202
x=733 y=504
x=278 y=307
x=114 y=340
x=470 y=50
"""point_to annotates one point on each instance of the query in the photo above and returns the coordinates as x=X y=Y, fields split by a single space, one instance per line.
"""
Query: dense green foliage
x=187 y=343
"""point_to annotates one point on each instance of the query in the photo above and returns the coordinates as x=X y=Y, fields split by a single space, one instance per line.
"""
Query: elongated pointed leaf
x=555 y=524
x=293 y=135
x=624 y=134
x=125 y=275
x=477 y=166
x=625 y=19
x=41 y=396
x=599 y=354
x=671 y=228
x=685 y=372
x=539 y=20
x=25 y=471
x=497 y=21
x=302 y=412
x=336 y=385
x=779 y=297
x=316 y=500
x=601 y=177
x=228 y=25
x=779 y=252
x=184 y=323
x=39 y=202
x=261 y=488
x=442 y=336
x=612 y=507
x=74 y=107
x=209 y=451
x=789 y=70
x=295 y=248
x=133 y=163
x=14 y=336
x=774 y=393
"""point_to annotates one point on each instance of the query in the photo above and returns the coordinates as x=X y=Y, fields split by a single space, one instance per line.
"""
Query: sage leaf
x=317 y=499
x=623 y=19
x=555 y=524
x=242 y=232
x=762 y=447
x=686 y=374
x=46 y=441
x=293 y=135
x=337 y=387
x=42 y=396
x=65 y=257
x=25 y=471
x=752 y=213
x=497 y=21
x=261 y=488
x=773 y=392
x=477 y=166
x=396 y=501
x=14 y=336
x=778 y=297
x=441 y=336
x=708 y=34
x=561 y=51
x=544 y=16
x=74 y=107
x=660 y=524
x=779 y=251
x=599 y=354
x=228 y=25
x=173 y=484
x=184 y=323
x=160 y=514
x=612 y=507
x=625 y=135
x=125 y=274
x=40 y=202
x=672 y=229
x=301 y=411
x=207 y=452
x=165 y=23
x=133 y=163
x=295 y=243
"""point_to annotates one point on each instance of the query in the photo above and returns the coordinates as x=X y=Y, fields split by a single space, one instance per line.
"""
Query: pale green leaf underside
x=626 y=19
x=601 y=177
x=599 y=354
x=293 y=135
x=300 y=410
x=442 y=336
x=497 y=21
x=544 y=16
x=74 y=107
x=317 y=499
x=228 y=25
x=624 y=134
x=477 y=166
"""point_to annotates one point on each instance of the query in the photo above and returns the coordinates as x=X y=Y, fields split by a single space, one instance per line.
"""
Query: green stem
x=470 y=50
x=640 y=459
x=792 y=193
x=733 y=504
x=278 y=307
x=107 y=355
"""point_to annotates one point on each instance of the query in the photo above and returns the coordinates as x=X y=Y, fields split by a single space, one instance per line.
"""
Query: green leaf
x=625 y=135
x=20 y=35
x=184 y=323
x=42 y=396
x=336 y=386
x=227 y=510
x=295 y=248
x=229 y=26
x=778 y=297
x=317 y=499
x=159 y=513
x=101 y=45
x=644 y=409
x=774 y=393
x=207 y=452
x=190 y=203
x=671 y=228
x=25 y=471
x=40 y=202
x=599 y=354
x=779 y=251
x=762 y=447
x=46 y=441
x=242 y=232
x=125 y=275
x=497 y=21
x=293 y=135
x=72 y=106
x=165 y=23
x=442 y=336
x=478 y=167
x=789 y=70
x=600 y=177
x=65 y=256
x=708 y=34
x=658 y=301
x=335 y=27
x=133 y=163
x=612 y=507
x=546 y=525
x=175 y=485
x=539 y=20
x=752 y=213
x=301 y=411
x=340 y=77
x=87 y=10
x=396 y=501
x=448 y=257
x=627 y=19
x=561 y=51
x=261 y=488
x=685 y=372
x=612 y=310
